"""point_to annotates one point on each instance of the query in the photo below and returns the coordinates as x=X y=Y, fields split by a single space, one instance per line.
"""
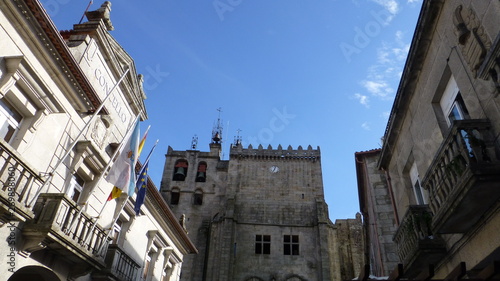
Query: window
x=167 y=273
x=263 y=244
x=201 y=174
x=198 y=197
x=10 y=119
x=180 y=170
x=147 y=264
x=116 y=231
x=174 y=196
x=452 y=104
x=291 y=245
x=75 y=187
x=417 y=188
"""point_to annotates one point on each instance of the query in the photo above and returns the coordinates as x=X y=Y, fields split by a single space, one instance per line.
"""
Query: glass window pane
x=267 y=248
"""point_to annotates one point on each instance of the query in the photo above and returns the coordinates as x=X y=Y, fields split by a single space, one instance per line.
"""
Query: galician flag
x=122 y=173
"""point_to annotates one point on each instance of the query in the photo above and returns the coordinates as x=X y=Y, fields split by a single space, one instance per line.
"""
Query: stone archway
x=32 y=272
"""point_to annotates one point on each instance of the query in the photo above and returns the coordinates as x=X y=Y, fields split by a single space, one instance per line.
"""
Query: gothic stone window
x=291 y=245
x=263 y=244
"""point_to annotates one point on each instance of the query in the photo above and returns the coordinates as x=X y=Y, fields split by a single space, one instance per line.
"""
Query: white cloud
x=379 y=88
x=386 y=72
x=390 y=5
x=366 y=126
x=364 y=100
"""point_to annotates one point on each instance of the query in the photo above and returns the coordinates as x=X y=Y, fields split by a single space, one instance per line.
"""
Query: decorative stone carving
x=474 y=43
x=100 y=130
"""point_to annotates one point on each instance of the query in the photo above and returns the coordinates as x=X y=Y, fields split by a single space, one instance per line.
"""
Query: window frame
x=262 y=244
x=76 y=184
x=291 y=246
x=418 y=191
x=9 y=112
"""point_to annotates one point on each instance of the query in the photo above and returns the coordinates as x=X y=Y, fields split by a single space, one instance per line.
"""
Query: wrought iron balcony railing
x=120 y=265
x=60 y=225
x=18 y=183
x=464 y=176
x=416 y=244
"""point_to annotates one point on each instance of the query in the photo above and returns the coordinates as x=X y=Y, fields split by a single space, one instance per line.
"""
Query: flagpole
x=147 y=160
x=102 y=175
x=87 y=125
x=125 y=201
x=88 y=6
x=127 y=135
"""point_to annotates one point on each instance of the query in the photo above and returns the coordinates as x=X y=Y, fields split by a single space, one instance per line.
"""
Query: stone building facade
x=441 y=149
x=377 y=208
x=54 y=152
x=261 y=215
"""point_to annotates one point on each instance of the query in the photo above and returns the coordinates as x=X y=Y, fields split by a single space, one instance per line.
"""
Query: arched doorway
x=32 y=272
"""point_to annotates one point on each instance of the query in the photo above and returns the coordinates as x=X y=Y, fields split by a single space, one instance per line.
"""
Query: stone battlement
x=279 y=153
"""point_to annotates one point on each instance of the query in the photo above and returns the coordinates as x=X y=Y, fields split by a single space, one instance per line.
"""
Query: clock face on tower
x=274 y=169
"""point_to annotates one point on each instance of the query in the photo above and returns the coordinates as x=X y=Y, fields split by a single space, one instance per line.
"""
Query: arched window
x=201 y=174
x=180 y=170
x=174 y=196
x=198 y=197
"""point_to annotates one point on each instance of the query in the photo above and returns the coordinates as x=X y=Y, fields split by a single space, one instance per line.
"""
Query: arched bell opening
x=180 y=170
x=201 y=173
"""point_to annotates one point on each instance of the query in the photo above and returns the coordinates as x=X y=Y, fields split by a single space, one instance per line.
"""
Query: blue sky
x=321 y=73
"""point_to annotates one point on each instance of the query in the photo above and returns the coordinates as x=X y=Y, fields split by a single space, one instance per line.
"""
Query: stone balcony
x=60 y=226
x=119 y=266
x=463 y=180
x=417 y=246
x=18 y=184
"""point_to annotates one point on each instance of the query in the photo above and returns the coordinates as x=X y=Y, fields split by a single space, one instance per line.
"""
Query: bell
x=180 y=174
x=200 y=177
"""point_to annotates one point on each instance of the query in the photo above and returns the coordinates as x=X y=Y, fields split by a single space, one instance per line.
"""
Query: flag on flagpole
x=141 y=189
x=142 y=185
x=122 y=174
x=143 y=141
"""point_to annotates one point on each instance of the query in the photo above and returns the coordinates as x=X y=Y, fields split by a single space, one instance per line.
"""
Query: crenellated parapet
x=237 y=151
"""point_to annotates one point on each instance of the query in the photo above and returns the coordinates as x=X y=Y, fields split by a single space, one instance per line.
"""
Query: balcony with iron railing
x=463 y=180
x=417 y=246
x=119 y=266
x=18 y=184
x=62 y=227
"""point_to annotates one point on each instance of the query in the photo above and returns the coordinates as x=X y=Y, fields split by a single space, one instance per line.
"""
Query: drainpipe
x=391 y=194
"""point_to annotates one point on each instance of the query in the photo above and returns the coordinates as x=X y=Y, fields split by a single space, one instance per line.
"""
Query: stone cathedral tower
x=261 y=215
